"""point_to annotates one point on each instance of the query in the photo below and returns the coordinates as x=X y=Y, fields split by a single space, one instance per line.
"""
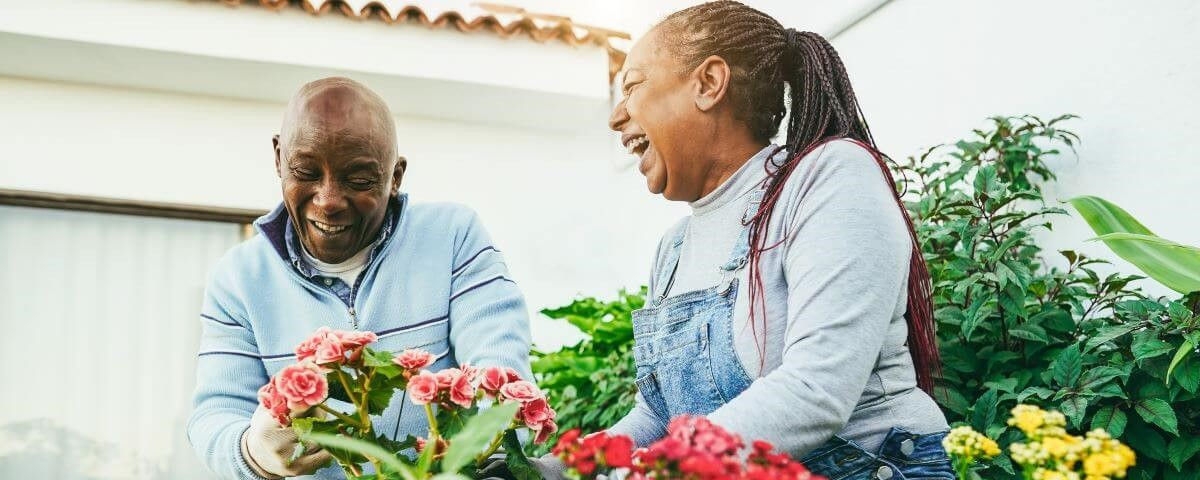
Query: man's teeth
x=635 y=144
x=330 y=229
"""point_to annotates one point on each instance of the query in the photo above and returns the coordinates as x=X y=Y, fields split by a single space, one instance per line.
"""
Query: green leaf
x=1147 y=345
x=1175 y=266
x=1188 y=375
x=1097 y=376
x=1008 y=385
x=1182 y=449
x=1074 y=407
x=1111 y=419
x=1031 y=332
x=1158 y=412
x=984 y=412
x=1145 y=441
x=1067 y=366
x=1108 y=334
x=515 y=459
x=478 y=432
x=1184 y=350
x=361 y=447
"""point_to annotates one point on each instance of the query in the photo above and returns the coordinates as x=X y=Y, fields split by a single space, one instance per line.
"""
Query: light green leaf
x=478 y=432
x=1180 y=354
x=361 y=447
x=1175 y=266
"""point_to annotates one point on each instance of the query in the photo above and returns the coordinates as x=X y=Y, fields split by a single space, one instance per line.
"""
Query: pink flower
x=462 y=391
x=547 y=429
x=414 y=359
x=521 y=391
x=513 y=376
x=330 y=351
x=536 y=412
x=423 y=387
x=470 y=371
x=307 y=349
x=493 y=379
x=446 y=377
x=274 y=402
x=356 y=339
x=302 y=385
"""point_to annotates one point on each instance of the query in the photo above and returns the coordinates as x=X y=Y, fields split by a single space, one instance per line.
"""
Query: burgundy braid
x=763 y=56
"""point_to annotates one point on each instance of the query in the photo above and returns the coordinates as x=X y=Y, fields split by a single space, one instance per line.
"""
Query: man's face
x=337 y=172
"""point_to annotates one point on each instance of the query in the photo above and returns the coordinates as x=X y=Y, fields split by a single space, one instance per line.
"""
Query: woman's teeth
x=329 y=229
x=634 y=145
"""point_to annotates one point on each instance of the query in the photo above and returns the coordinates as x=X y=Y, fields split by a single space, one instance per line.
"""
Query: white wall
x=927 y=71
x=567 y=220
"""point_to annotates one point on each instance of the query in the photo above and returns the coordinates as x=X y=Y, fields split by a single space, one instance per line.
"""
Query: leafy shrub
x=591 y=383
x=1013 y=328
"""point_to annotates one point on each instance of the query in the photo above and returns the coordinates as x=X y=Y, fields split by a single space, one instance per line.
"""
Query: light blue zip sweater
x=435 y=282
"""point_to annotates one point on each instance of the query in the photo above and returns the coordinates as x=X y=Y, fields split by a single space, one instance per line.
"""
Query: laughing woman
x=792 y=304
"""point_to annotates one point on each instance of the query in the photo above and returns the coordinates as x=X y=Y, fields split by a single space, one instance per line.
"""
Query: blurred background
x=135 y=148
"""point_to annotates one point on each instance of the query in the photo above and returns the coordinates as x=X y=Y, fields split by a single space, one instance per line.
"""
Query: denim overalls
x=686 y=364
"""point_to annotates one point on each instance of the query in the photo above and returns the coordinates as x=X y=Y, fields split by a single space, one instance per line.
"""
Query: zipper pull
x=353 y=318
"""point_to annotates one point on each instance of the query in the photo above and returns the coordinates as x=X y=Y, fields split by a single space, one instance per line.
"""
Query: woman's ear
x=712 y=80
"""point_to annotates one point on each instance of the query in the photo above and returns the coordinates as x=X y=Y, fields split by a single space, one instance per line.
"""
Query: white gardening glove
x=268 y=449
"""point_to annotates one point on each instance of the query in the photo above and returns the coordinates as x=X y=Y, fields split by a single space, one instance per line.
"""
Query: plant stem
x=364 y=408
x=495 y=444
x=433 y=431
x=340 y=416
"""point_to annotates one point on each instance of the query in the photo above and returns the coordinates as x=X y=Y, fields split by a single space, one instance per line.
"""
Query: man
x=345 y=250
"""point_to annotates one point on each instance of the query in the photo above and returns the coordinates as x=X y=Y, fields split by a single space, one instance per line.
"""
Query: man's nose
x=619 y=116
x=330 y=198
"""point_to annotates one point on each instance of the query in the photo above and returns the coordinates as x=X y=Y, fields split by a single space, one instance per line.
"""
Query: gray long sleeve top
x=835 y=359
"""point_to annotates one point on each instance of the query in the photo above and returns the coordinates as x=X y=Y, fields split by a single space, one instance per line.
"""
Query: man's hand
x=268 y=449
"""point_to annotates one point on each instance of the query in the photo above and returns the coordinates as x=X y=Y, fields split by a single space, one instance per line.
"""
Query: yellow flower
x=965 y=442
x=1027 y=418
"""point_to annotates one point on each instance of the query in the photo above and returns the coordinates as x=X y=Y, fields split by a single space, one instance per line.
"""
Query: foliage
x=591 y=383
x=1172 y=264
x=1015 y=328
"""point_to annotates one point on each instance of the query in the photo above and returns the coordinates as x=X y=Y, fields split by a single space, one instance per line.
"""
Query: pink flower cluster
x=464 y=385
x=694 y=448
x=294 y=390
x=334 y=347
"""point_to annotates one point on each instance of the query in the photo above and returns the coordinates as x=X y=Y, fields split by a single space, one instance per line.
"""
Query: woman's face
x=660 y=123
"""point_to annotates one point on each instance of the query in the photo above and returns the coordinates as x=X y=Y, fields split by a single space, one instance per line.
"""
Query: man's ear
x=398 y=173
x=275 y=147
x=712 y=80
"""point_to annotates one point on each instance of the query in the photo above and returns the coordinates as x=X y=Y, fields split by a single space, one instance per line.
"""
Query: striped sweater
x=435 y=281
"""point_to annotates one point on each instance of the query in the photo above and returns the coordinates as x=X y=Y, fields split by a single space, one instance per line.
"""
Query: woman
x=792 y=305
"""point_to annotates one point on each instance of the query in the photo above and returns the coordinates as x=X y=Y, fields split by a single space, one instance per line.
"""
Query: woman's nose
x=619 y=116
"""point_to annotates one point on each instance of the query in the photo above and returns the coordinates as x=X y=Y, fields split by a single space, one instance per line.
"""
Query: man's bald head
x=337 y=163
x=339 y=104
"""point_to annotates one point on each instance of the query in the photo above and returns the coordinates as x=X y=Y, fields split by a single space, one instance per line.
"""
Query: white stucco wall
x=927 y=71
x=567 y=220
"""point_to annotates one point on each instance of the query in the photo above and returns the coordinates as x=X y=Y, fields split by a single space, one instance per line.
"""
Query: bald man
x=346 y=250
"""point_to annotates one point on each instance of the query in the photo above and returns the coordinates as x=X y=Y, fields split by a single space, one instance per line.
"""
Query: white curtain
x=100 y=329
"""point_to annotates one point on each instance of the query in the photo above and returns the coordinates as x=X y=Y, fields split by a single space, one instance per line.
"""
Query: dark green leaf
x=1182 y=449
x=1067 y=367
x=1158 y=412
x=1111 y=419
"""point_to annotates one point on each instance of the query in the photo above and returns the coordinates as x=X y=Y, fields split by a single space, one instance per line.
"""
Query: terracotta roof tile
x=467 y=16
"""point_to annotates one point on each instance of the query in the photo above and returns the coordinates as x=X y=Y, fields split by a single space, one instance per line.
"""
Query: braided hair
x=763 y=57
